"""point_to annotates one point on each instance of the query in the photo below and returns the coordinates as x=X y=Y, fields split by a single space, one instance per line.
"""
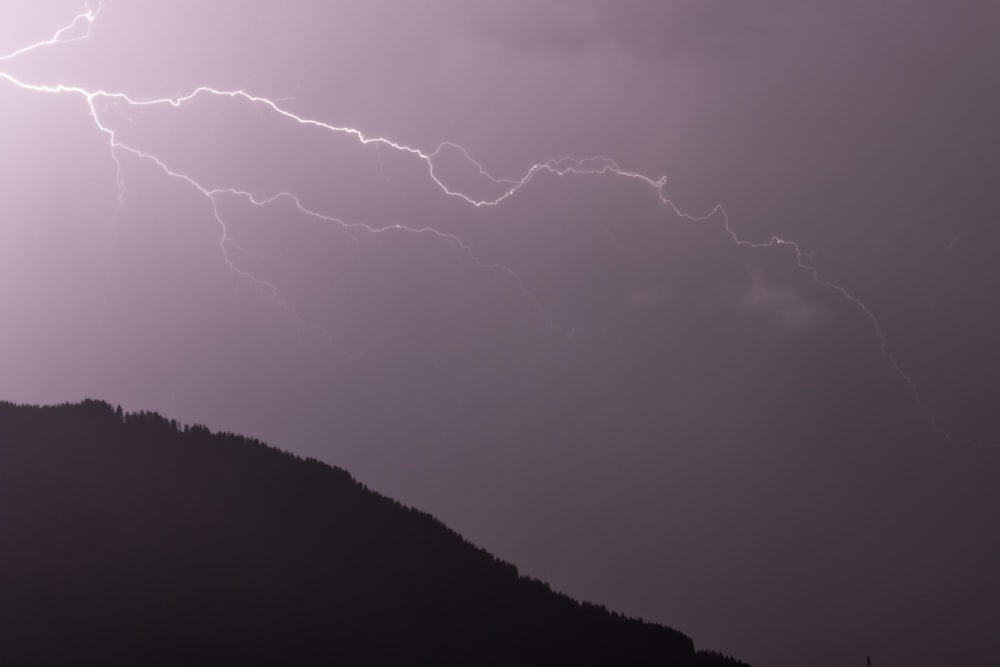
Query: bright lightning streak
x=559 y=167
x=86 y=18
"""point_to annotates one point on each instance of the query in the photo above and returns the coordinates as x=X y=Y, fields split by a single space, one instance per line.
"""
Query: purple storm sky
x=767 y=425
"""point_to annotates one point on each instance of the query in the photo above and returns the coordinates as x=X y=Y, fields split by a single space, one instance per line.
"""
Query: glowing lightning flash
x=86 y=19
x=80 y=28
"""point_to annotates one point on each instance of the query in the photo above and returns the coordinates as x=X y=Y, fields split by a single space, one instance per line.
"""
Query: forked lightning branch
x=83 y=26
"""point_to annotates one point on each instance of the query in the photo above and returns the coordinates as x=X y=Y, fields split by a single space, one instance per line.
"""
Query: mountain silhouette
x=128 y=539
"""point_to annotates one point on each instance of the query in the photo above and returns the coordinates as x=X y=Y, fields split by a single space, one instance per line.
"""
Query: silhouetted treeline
x=129 y=539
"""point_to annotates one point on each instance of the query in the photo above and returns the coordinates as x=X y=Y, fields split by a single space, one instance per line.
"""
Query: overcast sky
x=664 y=414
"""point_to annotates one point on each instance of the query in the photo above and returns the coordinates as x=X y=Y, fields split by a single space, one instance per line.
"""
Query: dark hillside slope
x=126 y=540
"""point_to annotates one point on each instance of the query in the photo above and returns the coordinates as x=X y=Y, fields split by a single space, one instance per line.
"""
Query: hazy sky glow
x=375 y=233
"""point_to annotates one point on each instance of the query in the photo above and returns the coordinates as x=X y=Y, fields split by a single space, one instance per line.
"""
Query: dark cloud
x=648 y=297
x=785 y=306
x=646 y=29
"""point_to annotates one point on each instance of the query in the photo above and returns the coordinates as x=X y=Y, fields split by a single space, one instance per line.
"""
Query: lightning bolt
x=81 y=28
x=87 y=19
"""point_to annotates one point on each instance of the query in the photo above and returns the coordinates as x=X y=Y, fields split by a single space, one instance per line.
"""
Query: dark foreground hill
x=127 y=540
